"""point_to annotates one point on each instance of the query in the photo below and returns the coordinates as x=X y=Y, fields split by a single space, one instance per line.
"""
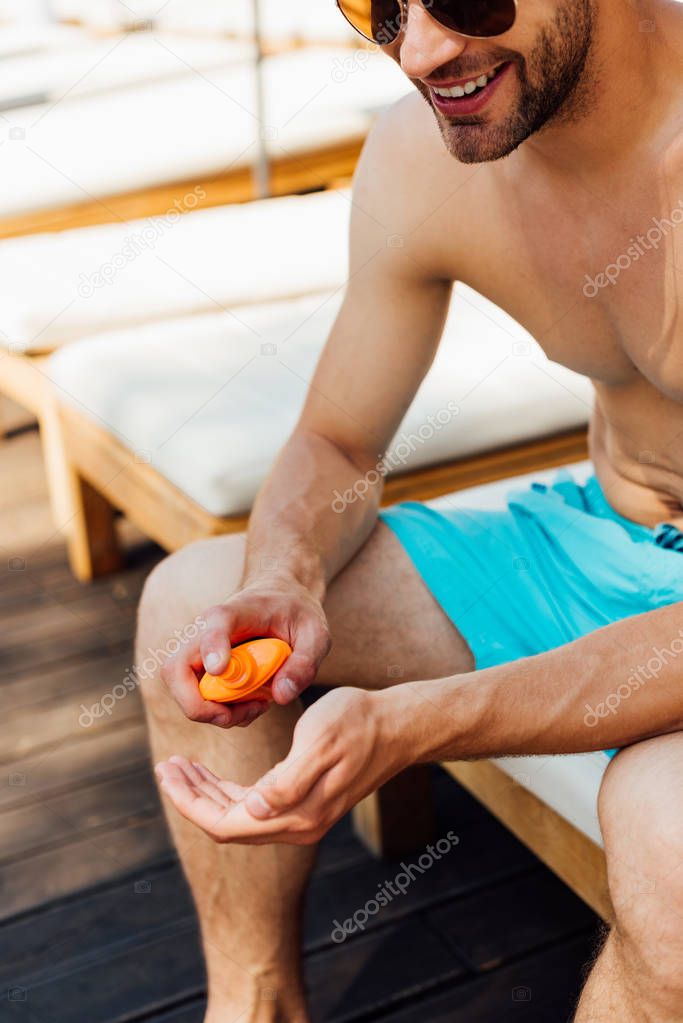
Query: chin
x=480 y=143
x=485 y=137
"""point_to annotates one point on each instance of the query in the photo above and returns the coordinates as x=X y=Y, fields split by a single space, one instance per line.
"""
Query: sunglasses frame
x=403 y=5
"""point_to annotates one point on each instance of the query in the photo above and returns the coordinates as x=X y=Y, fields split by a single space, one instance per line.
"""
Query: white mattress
x=201 y=124
x=210 y=399
x=100 y=64
x=117 y=275
x=569 y=784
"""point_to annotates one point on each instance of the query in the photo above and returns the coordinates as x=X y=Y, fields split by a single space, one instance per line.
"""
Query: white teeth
x=457 y=91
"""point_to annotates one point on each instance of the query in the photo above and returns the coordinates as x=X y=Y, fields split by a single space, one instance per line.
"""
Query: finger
x=289 y=783
x=214 y=644
x=310 y=644
x=188 y=769
x=303 y=825
x=229 y=789
x=234 y=824
x=210 y=786
x=237 y=793
x=181 y=682
x=245 y=713
x=189 y=801
x=206 y=773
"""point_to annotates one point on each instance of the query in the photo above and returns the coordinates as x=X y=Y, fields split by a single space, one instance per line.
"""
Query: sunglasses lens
x=379 y=20
x=483 y=18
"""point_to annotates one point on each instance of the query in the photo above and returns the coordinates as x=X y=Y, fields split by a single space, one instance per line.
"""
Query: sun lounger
x=134 y=151
x=55 y=288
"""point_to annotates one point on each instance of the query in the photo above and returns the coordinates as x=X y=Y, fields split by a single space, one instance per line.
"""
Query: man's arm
x=611 y=688
x=380 y=348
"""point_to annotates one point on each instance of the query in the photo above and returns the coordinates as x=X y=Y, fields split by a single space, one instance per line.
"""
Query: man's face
x=538 y=71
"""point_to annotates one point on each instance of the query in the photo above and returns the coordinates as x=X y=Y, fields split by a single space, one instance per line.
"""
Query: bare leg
x=638 y=977
x=386 y=628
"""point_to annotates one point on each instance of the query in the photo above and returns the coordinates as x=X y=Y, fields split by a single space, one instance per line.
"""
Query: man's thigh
x=385 y=625
x=642 y=826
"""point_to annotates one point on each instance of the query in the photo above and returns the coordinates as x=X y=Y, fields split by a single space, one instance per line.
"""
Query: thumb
x=215 y=651
x=284 y=788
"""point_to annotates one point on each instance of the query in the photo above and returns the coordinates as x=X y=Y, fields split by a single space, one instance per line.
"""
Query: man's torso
x=592 y=266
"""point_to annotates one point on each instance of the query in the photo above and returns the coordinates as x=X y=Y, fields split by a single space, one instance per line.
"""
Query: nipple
x=248 y=674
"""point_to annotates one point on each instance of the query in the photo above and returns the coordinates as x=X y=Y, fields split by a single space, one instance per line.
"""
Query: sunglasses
x=382 y=21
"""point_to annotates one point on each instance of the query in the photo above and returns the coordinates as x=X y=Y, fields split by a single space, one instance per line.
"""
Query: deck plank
x=539 y=989
x=74 y=765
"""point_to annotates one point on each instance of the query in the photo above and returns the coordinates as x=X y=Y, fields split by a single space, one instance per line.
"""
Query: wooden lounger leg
x=93 y=544
x=398 y=819
x=81 y=514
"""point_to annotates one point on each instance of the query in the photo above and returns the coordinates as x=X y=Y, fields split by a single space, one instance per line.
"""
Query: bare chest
x=600 y=289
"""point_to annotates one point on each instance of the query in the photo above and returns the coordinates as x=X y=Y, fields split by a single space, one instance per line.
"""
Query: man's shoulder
x=410 y=184
x=406 y=149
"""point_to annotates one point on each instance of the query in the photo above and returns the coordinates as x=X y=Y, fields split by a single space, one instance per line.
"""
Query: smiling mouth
x=468 y=94
x=467 y=86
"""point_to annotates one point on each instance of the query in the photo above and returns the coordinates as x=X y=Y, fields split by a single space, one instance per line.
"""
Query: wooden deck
x=96 y=923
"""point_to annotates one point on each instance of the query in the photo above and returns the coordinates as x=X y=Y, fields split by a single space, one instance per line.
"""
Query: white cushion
x=210 y=399
x=116 y=275
x=102 y=64
x=569 y=784
x=192 y=126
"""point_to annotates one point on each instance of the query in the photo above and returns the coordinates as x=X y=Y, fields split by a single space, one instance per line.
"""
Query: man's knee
x=643 y=830
x=175 y=594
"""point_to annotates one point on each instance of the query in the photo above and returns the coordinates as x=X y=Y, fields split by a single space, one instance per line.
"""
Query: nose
x=425 y=45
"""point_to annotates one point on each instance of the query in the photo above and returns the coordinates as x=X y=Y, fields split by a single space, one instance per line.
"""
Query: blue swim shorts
x=551 y=564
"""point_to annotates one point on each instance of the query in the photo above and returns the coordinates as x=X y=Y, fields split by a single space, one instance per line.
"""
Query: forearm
x=298 y=529
x=613 y=687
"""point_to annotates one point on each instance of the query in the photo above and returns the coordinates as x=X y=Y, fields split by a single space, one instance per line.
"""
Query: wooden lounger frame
x=300 y=172
x=128 y=483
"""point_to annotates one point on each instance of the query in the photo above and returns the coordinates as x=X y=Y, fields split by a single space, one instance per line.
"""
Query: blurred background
x=174 y=217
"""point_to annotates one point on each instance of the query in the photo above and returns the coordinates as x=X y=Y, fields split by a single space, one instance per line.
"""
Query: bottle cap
x=251 y=667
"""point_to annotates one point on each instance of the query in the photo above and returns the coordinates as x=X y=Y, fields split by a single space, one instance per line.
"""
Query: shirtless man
x=528 y=190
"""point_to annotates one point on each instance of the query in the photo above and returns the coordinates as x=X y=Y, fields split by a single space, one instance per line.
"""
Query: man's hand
x=283 y=609
x=344 y=747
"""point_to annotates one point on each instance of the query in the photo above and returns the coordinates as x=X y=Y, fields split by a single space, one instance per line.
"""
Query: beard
x=553 y=86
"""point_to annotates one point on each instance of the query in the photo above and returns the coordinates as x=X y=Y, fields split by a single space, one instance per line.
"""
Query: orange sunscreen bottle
x=248 y=674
